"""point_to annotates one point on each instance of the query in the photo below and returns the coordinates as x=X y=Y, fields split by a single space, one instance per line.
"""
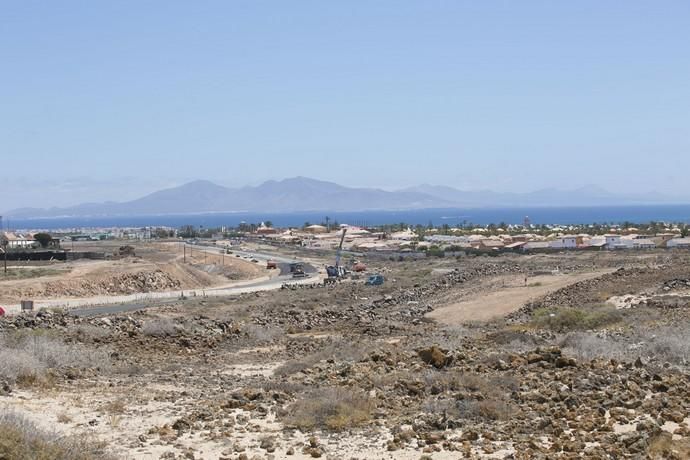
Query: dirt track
x=507 y=296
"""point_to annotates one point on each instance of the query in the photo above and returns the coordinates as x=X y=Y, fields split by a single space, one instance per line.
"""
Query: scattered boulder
x=435 y=356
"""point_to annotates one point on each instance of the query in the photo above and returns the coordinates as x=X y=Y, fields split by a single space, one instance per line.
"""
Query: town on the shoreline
x=396 y=238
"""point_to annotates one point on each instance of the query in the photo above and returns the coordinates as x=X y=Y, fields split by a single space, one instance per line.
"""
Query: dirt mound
x=126 y=283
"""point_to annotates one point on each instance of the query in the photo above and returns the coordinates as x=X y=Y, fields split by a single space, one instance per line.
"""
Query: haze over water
x=452 y=217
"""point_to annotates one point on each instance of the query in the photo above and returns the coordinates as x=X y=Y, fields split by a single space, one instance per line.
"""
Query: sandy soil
x=199 y=269
x=215 y=377
x=507 y=295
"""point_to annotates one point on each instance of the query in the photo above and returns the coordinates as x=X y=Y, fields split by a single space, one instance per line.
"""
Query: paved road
x=115 y=304
x=283 y=262
x=264 y=285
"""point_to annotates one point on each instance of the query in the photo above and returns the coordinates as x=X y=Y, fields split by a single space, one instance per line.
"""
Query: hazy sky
x=108 y=100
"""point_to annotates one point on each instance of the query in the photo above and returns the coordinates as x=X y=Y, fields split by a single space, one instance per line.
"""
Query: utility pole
x=4 y=252
x=4 y=244
x=184 y=252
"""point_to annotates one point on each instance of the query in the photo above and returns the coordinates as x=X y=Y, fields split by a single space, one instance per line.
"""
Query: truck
x=298 y=271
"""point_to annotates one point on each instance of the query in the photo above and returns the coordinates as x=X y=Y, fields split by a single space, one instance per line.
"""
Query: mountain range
x=305 y=194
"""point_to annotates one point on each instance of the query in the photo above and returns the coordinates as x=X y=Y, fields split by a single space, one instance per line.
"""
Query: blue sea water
x=437 y=217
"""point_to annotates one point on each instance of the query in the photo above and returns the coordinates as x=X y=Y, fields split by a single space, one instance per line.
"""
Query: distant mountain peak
x=306 y=194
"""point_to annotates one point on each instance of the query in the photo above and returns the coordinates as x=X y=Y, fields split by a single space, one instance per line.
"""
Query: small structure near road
x=18 y=240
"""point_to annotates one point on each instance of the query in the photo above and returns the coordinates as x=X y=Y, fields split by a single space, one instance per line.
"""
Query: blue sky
x=110 y=100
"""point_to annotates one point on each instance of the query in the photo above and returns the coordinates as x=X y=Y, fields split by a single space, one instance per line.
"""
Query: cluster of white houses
x=360 y=239
x=317 y=236
x=531 y=242
x=14 y=240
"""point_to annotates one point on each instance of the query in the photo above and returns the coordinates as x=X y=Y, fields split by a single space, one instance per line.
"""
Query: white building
x=18 y=240
x=406 y=235
x=617 y=242
x=643 y=243
x=531 y=245
x=564 y=242
x=683 y=243
x=448 y=239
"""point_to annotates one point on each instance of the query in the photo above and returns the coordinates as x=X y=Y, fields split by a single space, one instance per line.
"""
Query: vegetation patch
x=23 y=273
x=31 y=358
x=333 y=409
x=22 y=440
x=575 y=319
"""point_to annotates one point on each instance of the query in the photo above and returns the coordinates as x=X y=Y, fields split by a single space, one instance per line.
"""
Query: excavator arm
x=340 y=248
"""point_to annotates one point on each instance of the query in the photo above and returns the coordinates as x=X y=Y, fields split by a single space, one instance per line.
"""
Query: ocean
x=436 y=217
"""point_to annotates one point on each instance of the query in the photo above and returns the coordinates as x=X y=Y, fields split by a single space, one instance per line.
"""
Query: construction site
x=291 y=353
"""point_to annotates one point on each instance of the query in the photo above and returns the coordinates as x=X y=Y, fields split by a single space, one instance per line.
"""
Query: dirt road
x=504 y=300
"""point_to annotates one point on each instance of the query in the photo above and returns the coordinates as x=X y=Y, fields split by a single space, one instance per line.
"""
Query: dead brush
x=63 y=417
x=461 y=395
x=339 y=351
x=116 y=406
x=21 y=439
x=32 y=359
x=160 y=327
x=333 y=409
x=263 y=334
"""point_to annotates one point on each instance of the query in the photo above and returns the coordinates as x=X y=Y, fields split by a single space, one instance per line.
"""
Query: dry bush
x=29 y=358
x=116 y=406
x=449 y=338
x=470 y=396
x=487 y=409
x=160 y=327
x=469 y=409
x=329 y=408
x=263 y=334
x=22 y=440
x=575 y=319
x=499 y=386
x=339 y=351
x=63 y=417
x=668 y=344
x=588 y=346
x=89 y=333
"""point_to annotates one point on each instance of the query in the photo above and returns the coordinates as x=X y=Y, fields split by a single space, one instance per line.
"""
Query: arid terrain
x=571 y=355
x=150 y=267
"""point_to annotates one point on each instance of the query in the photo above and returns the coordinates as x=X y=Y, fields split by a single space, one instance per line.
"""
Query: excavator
x=336 y=272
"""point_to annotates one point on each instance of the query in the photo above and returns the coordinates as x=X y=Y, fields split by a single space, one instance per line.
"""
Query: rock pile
x=126 y=283
x=677 y=283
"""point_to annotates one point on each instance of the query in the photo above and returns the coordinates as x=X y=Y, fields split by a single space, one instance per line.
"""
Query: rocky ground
x=352 y=371
x=129 y=269
x=125 y=283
